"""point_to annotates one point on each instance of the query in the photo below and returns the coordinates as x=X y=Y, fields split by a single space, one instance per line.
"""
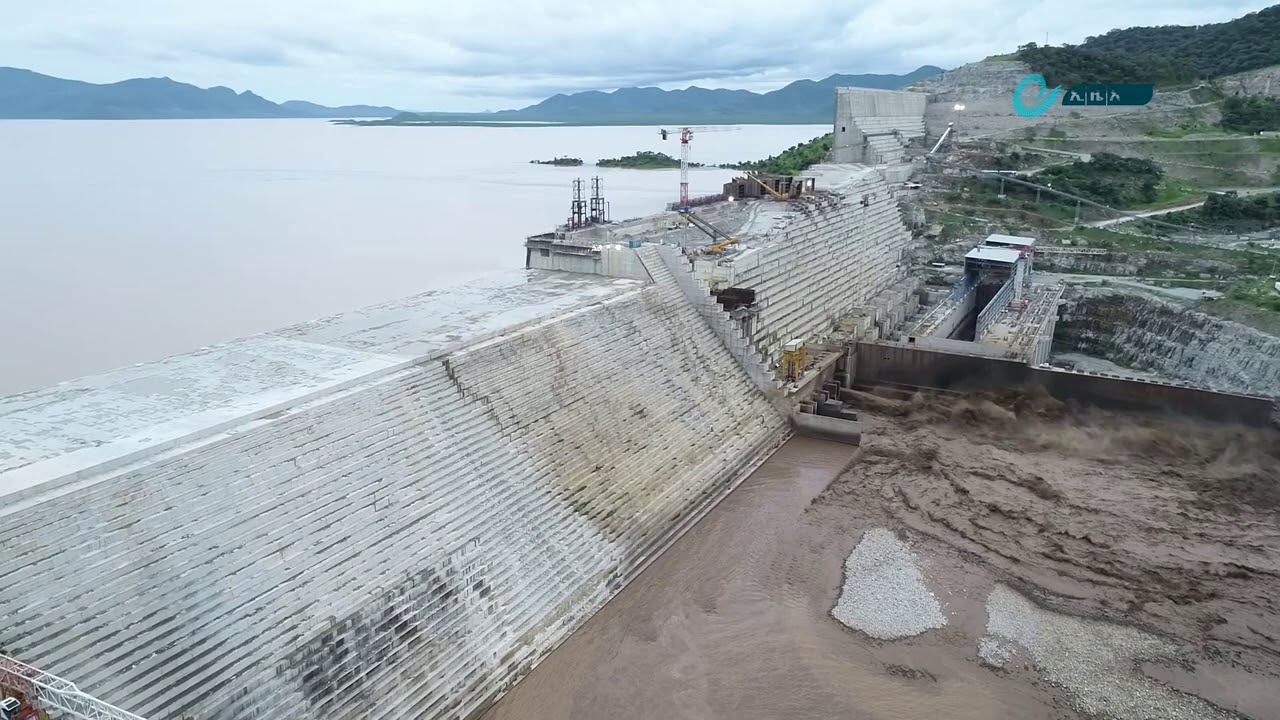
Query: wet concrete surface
x=1167 y=527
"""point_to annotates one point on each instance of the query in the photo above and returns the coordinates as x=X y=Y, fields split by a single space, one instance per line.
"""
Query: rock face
x=1147 y=264
x=985 y=89
x=984 y=78
x=1254 y=82
x=1144 y=332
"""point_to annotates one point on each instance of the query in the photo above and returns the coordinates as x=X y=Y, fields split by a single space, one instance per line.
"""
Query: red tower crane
x=686 y=134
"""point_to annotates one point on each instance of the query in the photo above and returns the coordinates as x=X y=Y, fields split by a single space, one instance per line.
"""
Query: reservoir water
x=126 y=241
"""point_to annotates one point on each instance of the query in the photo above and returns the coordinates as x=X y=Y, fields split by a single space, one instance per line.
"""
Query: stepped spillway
x=398 y=511
x=391 y=513
x=815 y=260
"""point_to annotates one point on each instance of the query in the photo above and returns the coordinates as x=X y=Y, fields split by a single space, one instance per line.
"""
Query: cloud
x=502 y=53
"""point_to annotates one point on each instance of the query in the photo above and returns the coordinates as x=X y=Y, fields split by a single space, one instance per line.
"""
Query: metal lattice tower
x=599 y=208
x=578 y=208
x=49 y=692
x=686 y=135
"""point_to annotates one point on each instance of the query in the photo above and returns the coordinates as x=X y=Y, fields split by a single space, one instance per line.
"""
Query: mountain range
x=803 y=101
x=29 y=95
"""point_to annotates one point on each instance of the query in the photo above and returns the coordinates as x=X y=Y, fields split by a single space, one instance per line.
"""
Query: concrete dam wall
x=827 y=257
x=388 y=514
x=1145 y=332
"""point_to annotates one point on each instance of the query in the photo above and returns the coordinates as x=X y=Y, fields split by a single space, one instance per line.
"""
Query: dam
x=400 y=511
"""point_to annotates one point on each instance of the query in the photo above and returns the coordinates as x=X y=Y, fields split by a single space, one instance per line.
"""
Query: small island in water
x=644 y=160
x=559 y=162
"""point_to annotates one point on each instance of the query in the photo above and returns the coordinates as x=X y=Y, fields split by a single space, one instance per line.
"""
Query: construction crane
x=686 y=134
x=37 y=694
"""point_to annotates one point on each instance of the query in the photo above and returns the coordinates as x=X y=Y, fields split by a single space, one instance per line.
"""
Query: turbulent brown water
x=1166 y=526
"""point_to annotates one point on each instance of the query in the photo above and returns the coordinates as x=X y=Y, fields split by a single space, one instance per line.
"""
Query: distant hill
x=1166 y=55
x=803 y=101
x=1246 y=43
x=29 y=95
x=302 y=108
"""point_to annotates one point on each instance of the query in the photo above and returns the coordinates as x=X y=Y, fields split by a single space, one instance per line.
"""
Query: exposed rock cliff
x=985 y=90
x=1145 y=332
x=1265 y=81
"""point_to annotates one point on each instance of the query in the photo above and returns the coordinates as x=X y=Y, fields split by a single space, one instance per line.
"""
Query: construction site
x=733 y=459
x=997 y=308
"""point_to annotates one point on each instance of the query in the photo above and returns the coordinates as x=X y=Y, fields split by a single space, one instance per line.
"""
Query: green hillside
x=1070 y=65
x=792 y=161
x=1166 y=55
x=1246 y=43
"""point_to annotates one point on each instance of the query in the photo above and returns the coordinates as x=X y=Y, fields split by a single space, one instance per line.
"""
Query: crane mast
x=686 y=135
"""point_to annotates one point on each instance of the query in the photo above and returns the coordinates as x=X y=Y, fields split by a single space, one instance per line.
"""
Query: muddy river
x=1145 y=525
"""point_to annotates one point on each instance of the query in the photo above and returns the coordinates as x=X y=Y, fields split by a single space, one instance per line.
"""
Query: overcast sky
x=496 y=54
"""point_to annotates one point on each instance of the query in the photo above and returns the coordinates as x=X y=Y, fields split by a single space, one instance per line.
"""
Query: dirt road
x=1243 y=192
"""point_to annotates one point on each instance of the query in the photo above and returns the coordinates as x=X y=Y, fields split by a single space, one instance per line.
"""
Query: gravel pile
x=995 y=652
x=884 y=593
x=1096 y=662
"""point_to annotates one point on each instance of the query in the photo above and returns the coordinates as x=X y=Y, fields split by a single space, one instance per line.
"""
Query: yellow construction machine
x=724 y=239
x=795 y=356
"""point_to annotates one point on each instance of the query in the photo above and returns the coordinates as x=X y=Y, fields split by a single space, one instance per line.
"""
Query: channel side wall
x=946 y=317
x=900 y=364
x=991 y=312
x=1140 y=330
x=408 y=547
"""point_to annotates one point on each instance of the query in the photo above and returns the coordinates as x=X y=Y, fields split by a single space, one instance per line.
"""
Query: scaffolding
x=599 y=208
x=582 y=213
x=54 y=695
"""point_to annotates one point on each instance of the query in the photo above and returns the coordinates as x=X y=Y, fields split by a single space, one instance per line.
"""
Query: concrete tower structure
x=873 y=126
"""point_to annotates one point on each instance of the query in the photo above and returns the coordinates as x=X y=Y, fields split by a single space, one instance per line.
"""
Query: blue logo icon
x=1043 y=101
